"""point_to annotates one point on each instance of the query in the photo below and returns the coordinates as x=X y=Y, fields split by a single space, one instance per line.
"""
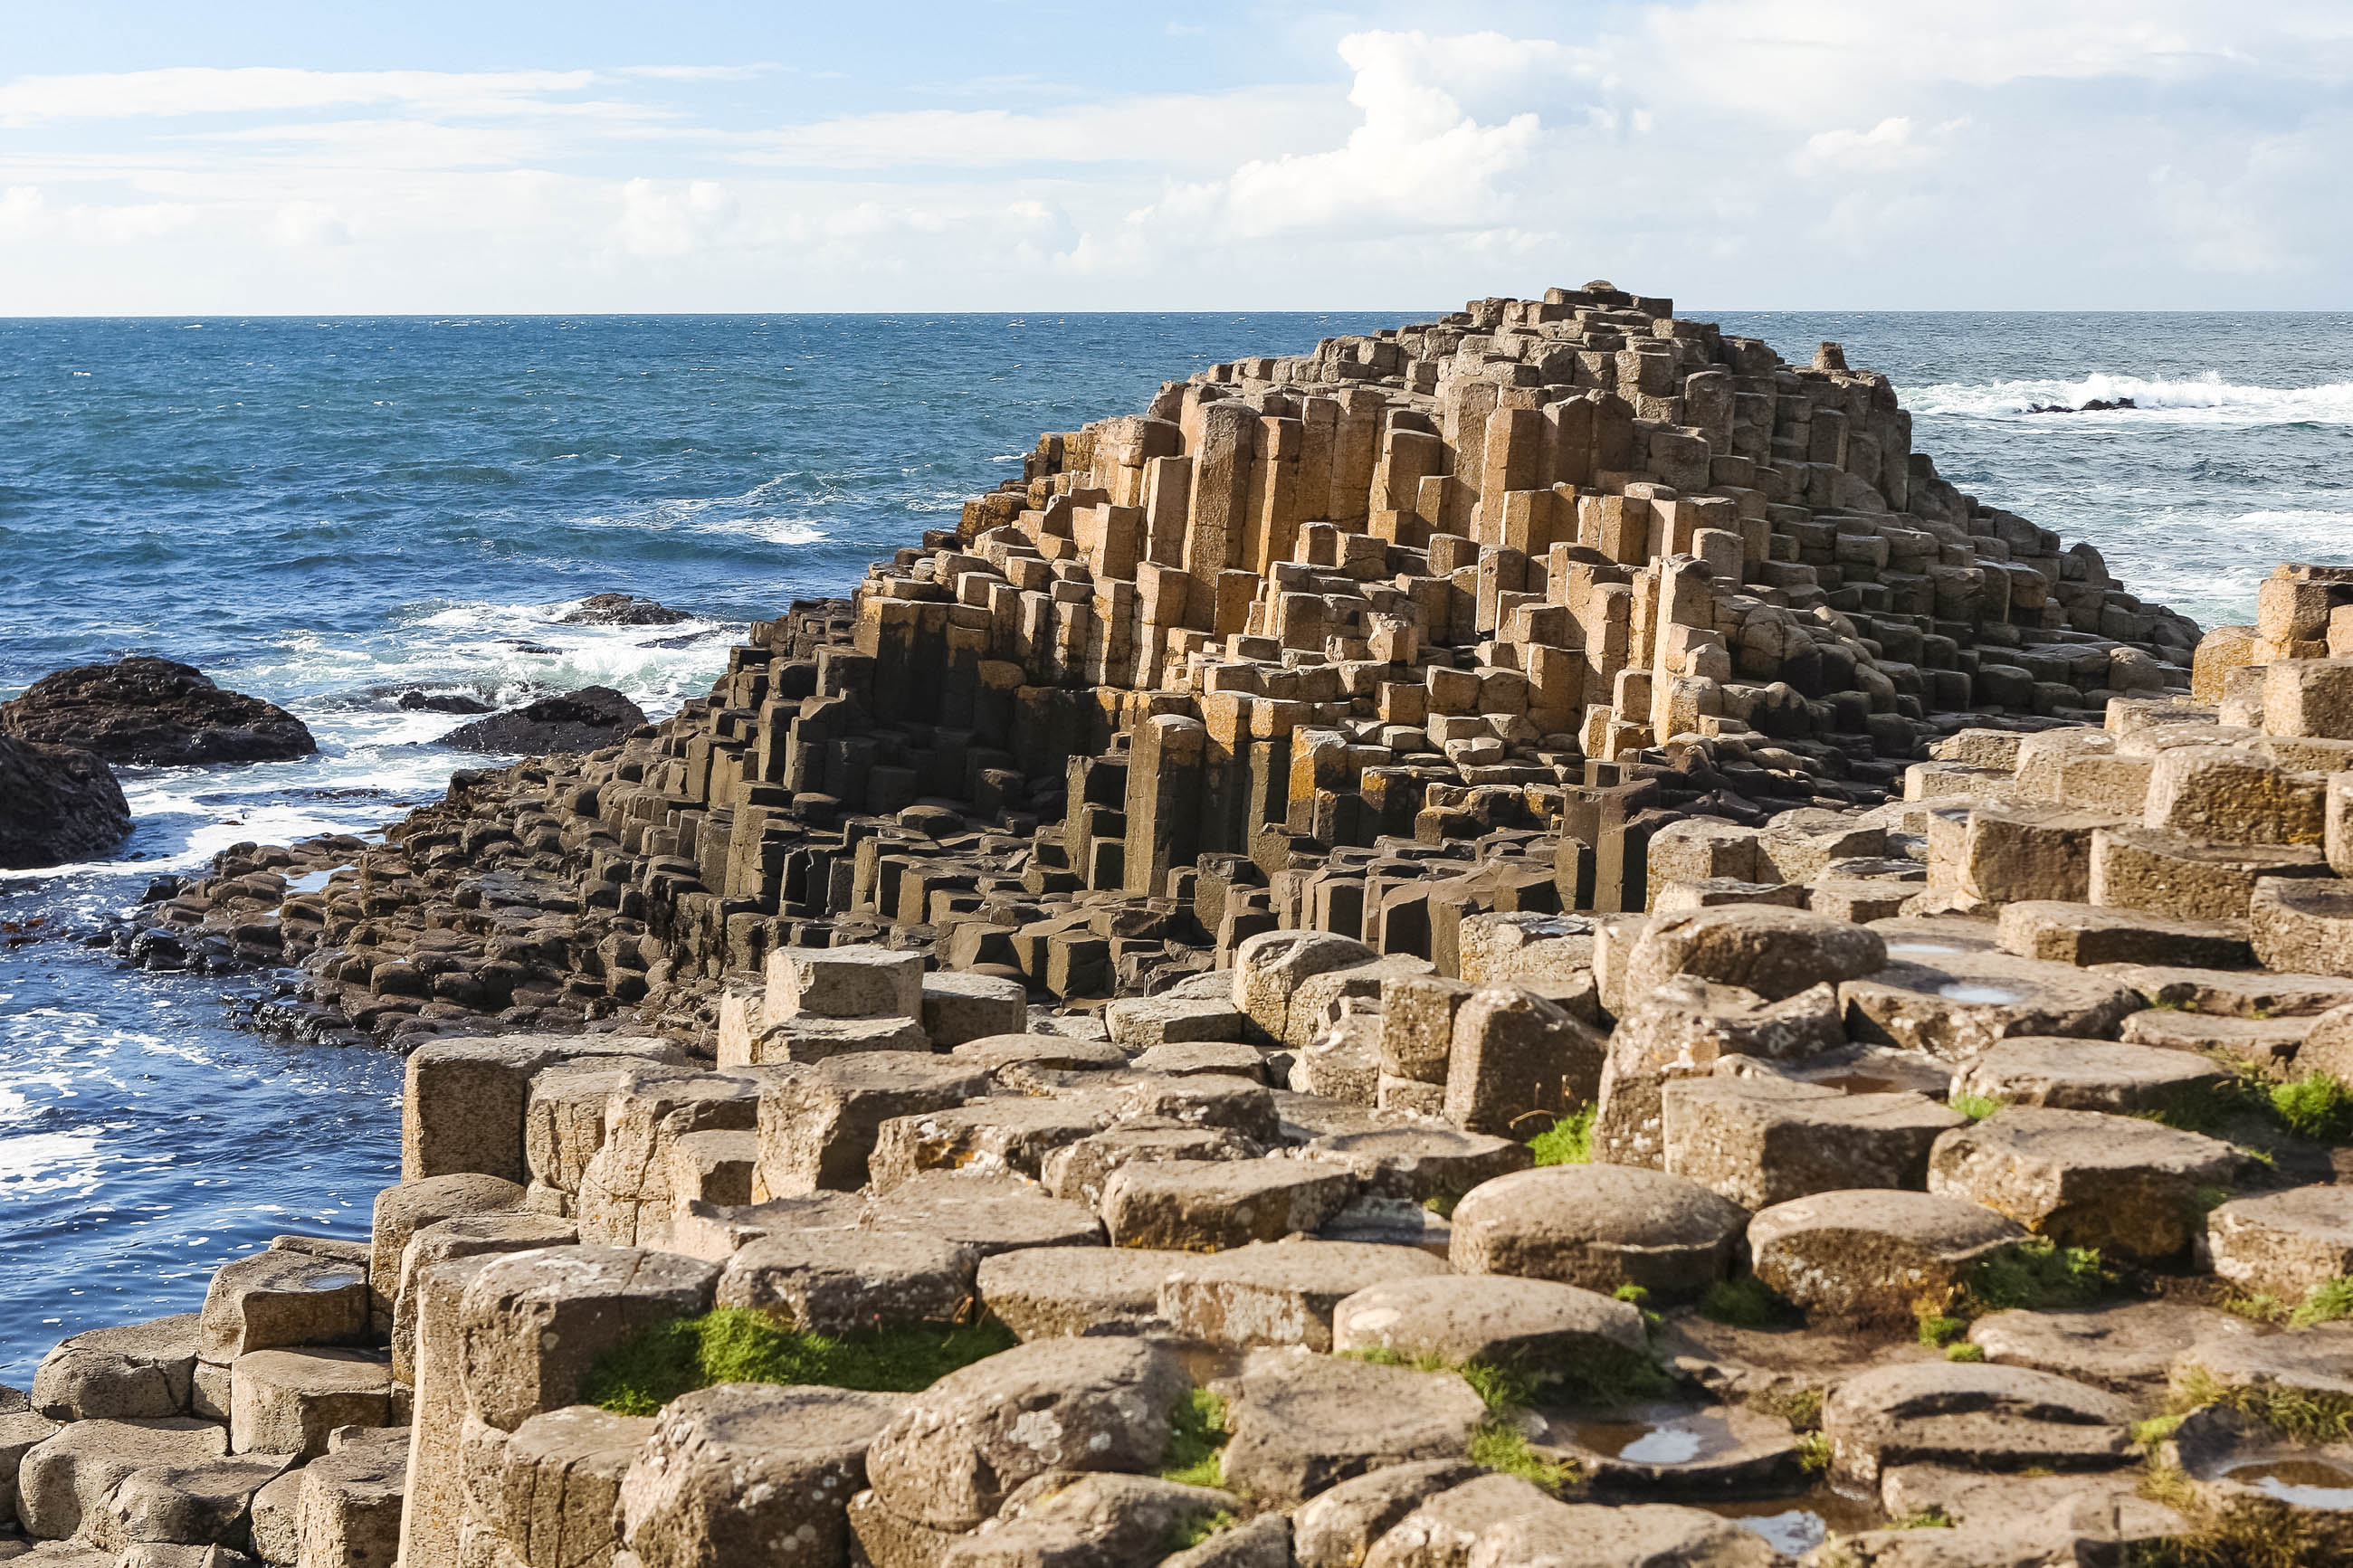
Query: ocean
x=333 y=512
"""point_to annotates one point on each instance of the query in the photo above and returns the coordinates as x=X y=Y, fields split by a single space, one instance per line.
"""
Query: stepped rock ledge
x=1342 y=954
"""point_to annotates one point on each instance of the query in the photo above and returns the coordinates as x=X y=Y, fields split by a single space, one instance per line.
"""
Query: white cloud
x=186 y=90
x=671 y=217
x=1416 y=160
x=1733 y=153
x=1888 y=145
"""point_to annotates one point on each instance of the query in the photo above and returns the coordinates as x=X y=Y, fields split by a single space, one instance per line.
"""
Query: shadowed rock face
x=579 y=721
x=57 y=806
x=154 y=712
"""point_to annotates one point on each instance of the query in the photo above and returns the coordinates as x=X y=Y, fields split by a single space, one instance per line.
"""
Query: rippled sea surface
x=330 y=513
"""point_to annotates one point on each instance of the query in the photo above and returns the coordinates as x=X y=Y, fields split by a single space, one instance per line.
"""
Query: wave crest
x=2206 y=400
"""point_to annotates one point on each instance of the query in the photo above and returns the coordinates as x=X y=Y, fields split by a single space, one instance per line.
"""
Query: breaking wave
x=2200 y=400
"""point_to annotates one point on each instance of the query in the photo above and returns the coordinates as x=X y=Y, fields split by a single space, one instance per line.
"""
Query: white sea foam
x=2201 y=400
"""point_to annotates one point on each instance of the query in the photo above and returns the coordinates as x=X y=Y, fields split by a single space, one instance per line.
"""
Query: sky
x=507 y=155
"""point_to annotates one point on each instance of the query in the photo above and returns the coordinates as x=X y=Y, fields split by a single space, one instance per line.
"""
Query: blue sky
x=1735 y=153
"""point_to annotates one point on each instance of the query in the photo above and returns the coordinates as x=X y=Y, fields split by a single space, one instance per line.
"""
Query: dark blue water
x=330 y=512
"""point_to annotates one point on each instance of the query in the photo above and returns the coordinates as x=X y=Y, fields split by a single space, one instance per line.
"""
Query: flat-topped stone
x=1760 y=1141
x=1600 y=1227
x=1199 y=1205
x=1282 y=1293
x=818 y=1129
x=289 y=1401
x=126 y=1372
x=1050 y=1292
x=2317 y=1361
x=65 y=1480
x=1984 y=1417
x=2157 y=869
x=1302 y=1424
x=731 y=1472
x=2088 y=1075
x=1776 y=952
x=2303 y=924
x=2128 y=1347
x=1873 y=1255
x=957 y=1451
x=1421 y=1164
x=1957 y=1004
x=988 y=1213
x=1003 y=1134
x=840 y=1281
x=2270 y=1044
x=2085 y=934
x=2084 y=1179
x=2282 y=1244
x=1495 y=1319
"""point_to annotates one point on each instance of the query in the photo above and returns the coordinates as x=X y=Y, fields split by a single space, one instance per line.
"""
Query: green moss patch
x=1568 y=1141
x=1746 y=1303
x=2038 y=1276
x=736 y=1345
x=2315 y=1107
x=1196 y=1441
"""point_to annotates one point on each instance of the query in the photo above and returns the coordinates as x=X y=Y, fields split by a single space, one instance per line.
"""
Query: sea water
x=333 y=512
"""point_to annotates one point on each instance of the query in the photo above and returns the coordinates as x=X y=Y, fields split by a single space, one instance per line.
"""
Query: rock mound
x=623 y=610
x=156 y=711
x=57 y=806
x=579 y=721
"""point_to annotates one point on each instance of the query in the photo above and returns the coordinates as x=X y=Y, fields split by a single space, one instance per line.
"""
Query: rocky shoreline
x=1509 y=942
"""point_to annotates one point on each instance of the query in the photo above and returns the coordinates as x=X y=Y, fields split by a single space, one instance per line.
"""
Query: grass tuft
x=1568 y=1141
x=1938 y=1330
x=1976 y=1106
x=1929 y=1518
x=1500 y=1446
x=2035 y=1275
x=2248 y=1534
x=1800 y=1407
x=1965 y=1352
x=1197 y=1529
x=1195 y=1456
x=2305 y=1415
x=2148 y=1434
x=2315 y=1107
x=1814 y=1452
x=1746 y=1303
x=737 y=1344
x=2324 y=1303
x=1603 y=1374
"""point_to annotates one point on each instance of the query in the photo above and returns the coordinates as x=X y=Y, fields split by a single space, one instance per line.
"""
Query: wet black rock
x=57 y=806
x=448 y=702
x=154 y=711
x=623 y=610
x=579 y=721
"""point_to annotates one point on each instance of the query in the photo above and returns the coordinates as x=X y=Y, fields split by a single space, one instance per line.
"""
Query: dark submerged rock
x=579 y=721
x=451 y=702
x=154 y=711
x=57 y=806
x=623 y=610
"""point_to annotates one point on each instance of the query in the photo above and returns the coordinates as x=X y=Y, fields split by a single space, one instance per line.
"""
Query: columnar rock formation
x=1143 y=1098
x=1451 y=618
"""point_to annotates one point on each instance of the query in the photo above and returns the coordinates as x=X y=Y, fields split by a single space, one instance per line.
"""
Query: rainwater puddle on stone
x=334 y=1280
x=1964 y=991
x=1651 y=1434
x=310 y=881
x=2299 y=1483
x=1795 y=1526
x=1913 y=949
